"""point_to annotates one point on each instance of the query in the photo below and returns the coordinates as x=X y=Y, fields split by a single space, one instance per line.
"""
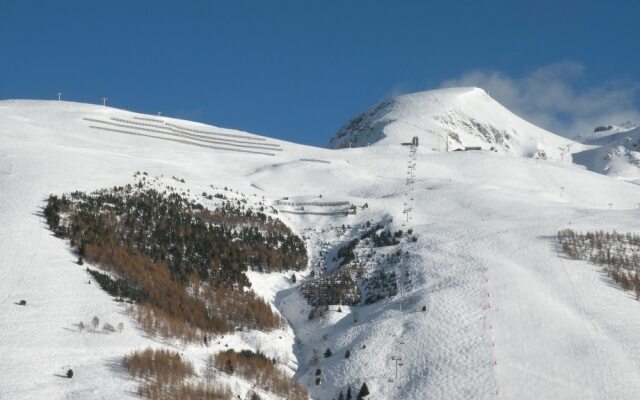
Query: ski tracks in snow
x=460 y=324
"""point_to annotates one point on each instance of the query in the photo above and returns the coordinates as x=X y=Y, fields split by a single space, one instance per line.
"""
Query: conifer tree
x=364 y=391
x=228 y=368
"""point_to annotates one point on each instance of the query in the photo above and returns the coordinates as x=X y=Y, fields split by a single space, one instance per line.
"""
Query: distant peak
x=446 y=119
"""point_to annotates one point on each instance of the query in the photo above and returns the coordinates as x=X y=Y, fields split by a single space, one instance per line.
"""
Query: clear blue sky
x=295 y=70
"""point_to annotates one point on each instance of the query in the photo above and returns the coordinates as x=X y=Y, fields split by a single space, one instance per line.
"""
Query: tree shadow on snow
x=115 y=365
x=554 y=245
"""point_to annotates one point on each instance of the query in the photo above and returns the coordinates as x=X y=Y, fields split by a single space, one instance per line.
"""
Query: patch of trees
x=380 y=285
x=166 y=226
x=362 y=393
x=381 y=237
x=360 y=275
x=346 y=253
x=227 y=311
x=353 y=280
x=183 y=264
x=120 y=288
x=618 y=253
x=262 y=370
x=158 y=364
x=164 y=375
x=338 y=288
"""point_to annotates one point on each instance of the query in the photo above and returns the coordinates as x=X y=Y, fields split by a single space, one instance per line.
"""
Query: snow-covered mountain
x=489 y=307
x=616 y=155
x=612 y=150
x=601 y=132
x=451 y=119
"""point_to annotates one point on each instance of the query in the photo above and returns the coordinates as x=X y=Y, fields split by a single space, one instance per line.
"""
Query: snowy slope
x=449 y=119
x=48 y=147
x=505 y=312
x=604 y=132
x=615 y=155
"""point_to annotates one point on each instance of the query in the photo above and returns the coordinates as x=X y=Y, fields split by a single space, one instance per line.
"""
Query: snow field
x=506 y=311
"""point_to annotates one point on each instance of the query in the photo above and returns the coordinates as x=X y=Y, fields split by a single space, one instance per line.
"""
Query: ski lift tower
x=399 y=363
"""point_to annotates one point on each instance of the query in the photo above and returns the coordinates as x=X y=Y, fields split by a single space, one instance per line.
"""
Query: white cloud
x=550 y=97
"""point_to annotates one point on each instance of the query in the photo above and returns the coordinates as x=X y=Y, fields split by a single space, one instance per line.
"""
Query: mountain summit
x=447 y=120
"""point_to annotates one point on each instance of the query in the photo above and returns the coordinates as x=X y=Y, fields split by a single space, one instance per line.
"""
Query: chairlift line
x=403 y=265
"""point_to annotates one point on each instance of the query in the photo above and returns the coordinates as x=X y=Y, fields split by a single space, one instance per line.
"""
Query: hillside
x=616 y=155
x=484 y=302
x=450 y=119
x=602 y=134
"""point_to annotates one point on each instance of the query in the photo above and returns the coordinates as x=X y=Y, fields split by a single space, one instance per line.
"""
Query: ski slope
x=507 y=315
